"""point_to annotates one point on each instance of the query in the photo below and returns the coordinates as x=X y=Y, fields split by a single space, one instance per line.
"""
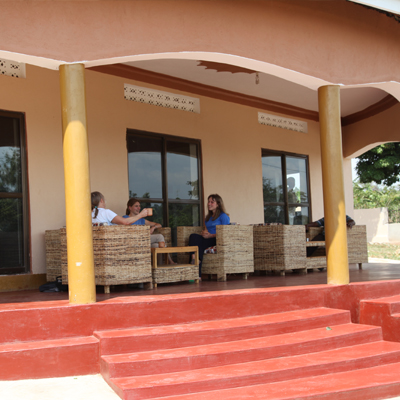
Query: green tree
x=10 y=171
x=194 y=191
x=371 y=195
x=10 y=182
x=380 y=164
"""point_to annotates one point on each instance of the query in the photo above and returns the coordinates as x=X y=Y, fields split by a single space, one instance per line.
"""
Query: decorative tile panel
x=12 y=68
x=281 y=122
x=161 y=99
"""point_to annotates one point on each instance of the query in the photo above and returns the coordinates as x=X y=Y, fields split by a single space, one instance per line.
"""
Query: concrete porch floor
x=94 y=387
x=375 y=270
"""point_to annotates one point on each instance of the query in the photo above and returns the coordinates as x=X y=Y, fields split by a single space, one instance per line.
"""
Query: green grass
x=384 y=250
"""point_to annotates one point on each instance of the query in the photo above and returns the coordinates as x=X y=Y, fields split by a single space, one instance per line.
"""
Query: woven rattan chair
x=53 y=254
x=280 y=248
x=234 y=250
x=357 y=245
x=122 y=255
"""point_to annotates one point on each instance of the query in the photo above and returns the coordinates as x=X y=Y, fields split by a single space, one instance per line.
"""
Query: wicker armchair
x=53 y=254
x=234 y=250
x=122 y=255
x=280 y=248
x=357 y=246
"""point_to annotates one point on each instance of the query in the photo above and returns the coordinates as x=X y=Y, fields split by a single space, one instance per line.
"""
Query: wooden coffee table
x=167 y=273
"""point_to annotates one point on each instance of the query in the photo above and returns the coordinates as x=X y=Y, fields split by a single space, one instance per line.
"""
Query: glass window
x=144 y=161
x=182 y=173
x=13 y=215
x=272 y=179
x=181 y=214
x=169 y=179
x=285 y=188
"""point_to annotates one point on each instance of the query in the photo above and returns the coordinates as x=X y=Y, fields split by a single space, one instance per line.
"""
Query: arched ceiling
x=294 y=47
x=275 y=84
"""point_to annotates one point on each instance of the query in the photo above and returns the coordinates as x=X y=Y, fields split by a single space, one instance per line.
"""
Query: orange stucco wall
x=231 y=140
x=335 y=40
x=38 y=97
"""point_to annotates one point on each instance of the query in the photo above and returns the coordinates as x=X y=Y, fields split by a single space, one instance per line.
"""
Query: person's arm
x=153 y=225
x=224 y=219
x=313 y=225
x=205 y=230
x=208 y=235
x=205 y=233
x=130 y=220
x=350 y=222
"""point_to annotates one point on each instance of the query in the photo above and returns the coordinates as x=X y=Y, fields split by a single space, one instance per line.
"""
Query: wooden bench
x=168 y=273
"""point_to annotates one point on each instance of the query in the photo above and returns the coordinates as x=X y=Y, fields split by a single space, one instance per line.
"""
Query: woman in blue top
x=156 y=239
x=216 y=216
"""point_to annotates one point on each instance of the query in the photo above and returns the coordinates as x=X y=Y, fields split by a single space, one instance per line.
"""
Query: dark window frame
x=24 y=194
x=285 y=204
x=165 y=201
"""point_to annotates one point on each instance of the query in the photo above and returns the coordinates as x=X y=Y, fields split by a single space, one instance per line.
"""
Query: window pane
x=301 y=216
x=144 y=167
x=272 y=179
x=274 y=214
x=183 y=215
x=182 y=172
x=10 y=156
x=11 y=234
x=296 y=175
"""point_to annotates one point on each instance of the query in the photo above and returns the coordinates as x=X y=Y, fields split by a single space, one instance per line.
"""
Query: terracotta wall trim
x=386 y=103
x=153 y=78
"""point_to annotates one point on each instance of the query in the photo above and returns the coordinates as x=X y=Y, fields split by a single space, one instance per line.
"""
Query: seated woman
x=216 y=216
x=100 y=214
x=156 y=240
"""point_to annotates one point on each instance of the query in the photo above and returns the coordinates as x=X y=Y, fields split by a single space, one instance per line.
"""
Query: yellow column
x=81 y=283
x=333 y=186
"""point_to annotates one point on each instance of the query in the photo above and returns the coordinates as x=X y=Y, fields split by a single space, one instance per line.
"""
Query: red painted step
x=258 y=372
x=57 y=358
x=184 y=335
x=373 y=383
x=172 y=360
x=384 y=312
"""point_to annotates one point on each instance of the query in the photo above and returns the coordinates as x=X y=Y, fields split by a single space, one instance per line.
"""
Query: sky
x=353 y=168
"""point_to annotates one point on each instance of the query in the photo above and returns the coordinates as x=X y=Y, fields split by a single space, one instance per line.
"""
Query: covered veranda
x=229 y=76
x=329 y=66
